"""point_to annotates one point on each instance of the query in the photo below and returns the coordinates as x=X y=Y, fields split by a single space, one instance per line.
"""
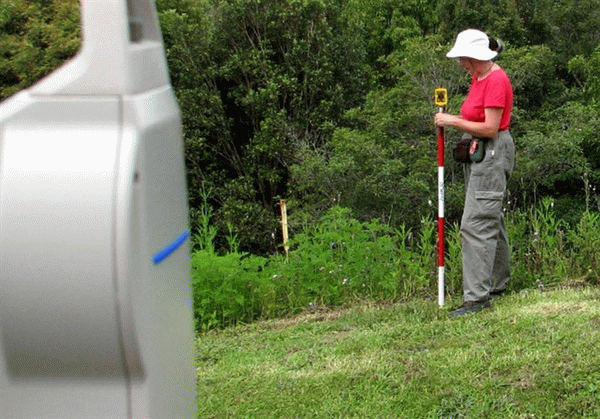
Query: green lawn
x=533 y=355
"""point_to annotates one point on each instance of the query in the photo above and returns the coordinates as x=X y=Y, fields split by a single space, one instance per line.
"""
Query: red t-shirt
x=495 y=91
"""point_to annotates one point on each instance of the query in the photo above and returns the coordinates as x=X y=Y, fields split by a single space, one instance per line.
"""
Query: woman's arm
x=487 y=129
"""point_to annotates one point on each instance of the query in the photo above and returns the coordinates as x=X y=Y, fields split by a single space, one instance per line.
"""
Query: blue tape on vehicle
x=171 y=248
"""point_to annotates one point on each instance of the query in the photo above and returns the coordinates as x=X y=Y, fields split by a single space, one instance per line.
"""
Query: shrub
x=585 y=239
x=225 y=288
x=340 y=259
x=332 y=263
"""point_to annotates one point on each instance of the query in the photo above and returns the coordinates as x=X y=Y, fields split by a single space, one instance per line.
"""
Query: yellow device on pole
x=441 y=97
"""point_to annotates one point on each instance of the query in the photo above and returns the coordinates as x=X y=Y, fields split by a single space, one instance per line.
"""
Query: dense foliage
x=35 y=38
x=328 y=102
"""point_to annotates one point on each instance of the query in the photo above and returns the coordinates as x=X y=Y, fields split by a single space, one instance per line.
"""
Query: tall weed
x=453 y=260
x=585 y=254
x=540 y=249
x=226 y=288
x=338 y=260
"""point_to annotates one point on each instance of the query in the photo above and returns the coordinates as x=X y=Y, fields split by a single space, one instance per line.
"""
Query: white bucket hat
x=473 y=44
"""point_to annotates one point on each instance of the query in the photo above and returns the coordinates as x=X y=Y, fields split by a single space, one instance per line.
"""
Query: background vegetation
x=328 y=104
x=339 y=261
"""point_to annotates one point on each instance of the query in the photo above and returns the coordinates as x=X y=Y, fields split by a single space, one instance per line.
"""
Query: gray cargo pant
x=485 y=252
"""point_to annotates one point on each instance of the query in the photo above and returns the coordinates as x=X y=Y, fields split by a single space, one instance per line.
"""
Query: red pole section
x=441 y=98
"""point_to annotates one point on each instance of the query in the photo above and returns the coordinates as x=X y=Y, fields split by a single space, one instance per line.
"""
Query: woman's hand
x=443 y=119
x=486 y=129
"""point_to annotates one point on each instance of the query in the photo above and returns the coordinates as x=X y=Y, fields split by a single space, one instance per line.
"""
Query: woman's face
x=467 y=64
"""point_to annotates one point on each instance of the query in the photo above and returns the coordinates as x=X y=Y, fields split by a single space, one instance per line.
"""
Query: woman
x=486 y=113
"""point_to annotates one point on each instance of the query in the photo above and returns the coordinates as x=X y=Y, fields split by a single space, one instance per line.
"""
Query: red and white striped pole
x=441 y=99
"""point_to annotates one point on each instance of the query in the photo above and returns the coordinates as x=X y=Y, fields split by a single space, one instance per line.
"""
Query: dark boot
x=470 y=307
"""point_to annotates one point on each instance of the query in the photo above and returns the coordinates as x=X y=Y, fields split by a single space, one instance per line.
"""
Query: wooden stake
x=284 y=224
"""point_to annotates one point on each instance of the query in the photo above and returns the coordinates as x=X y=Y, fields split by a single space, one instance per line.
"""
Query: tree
x=498 y=18
x=385 y=167
x=35 y=38
x=269 y=78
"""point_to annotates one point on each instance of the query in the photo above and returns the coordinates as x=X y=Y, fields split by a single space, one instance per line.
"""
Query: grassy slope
x=533 y=355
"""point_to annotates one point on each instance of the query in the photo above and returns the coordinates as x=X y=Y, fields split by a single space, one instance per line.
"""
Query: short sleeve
x=496 y=91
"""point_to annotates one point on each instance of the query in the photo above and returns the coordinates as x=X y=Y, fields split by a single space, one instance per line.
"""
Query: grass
x=533 y=355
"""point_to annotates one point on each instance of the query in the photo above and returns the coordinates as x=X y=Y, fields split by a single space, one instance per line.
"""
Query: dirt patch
x=318 y=315
x=524 y=383
x=560 y=308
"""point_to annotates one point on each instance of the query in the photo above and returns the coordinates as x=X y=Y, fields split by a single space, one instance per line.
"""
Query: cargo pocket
x=489 y=204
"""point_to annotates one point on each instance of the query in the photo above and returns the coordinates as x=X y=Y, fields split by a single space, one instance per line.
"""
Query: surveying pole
x=440 y=99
